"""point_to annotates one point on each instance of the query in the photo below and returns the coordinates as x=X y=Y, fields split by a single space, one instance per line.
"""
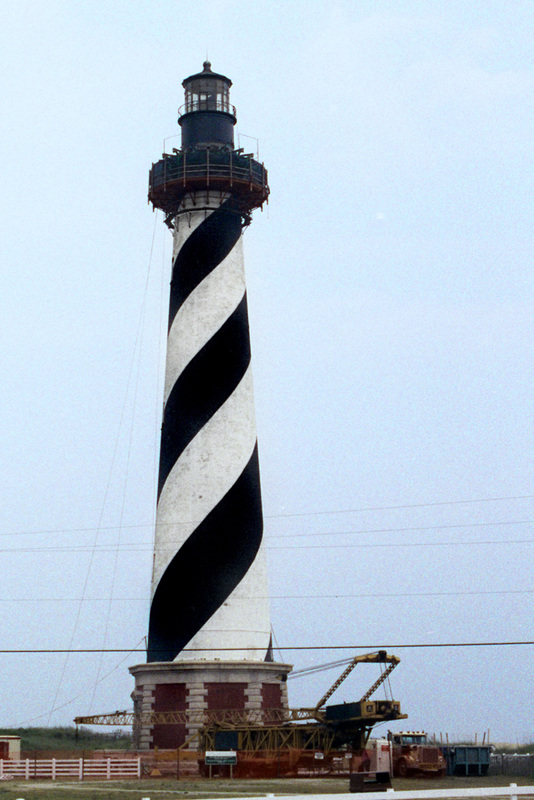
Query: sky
x=390 y=298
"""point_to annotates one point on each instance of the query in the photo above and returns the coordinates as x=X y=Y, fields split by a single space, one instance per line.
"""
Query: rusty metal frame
x=176 y=176
x=231 y=719
x=275 y=738
x=227 y=718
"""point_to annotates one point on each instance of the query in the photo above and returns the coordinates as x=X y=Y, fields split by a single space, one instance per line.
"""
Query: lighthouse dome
x=207 y=117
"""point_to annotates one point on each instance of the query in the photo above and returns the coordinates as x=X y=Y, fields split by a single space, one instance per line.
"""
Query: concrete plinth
x=199 y=686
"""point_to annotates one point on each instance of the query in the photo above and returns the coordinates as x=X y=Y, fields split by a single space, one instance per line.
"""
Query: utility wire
x=404 y=530
x=89 y=688
x=391 y=545
x=138 y=348
x=137 y=353
x=408 y=505
x=97 y=531
x=135 y=547
x=299 y=514
x=298 y=648
x=469 y=593
x=399 y=594
x=303 y=535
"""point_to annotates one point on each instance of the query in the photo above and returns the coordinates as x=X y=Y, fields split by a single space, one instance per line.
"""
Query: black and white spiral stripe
x=209 y=517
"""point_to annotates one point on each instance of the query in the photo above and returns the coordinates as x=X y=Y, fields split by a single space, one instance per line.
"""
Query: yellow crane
x=321 y=727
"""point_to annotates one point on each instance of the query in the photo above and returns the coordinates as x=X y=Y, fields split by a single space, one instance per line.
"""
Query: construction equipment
x=371 y=768
x=369 y=658
x=413 y=753
x=323 y=728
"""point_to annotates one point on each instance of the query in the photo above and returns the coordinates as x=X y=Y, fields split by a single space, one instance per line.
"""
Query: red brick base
x=198 y=686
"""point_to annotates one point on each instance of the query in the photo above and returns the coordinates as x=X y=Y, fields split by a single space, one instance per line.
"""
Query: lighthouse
x=209 y=638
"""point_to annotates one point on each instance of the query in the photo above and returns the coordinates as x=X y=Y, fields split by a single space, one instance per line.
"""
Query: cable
x=301 y=673
x=404 y=530
x=111 y=468
x=73 y=699
x=469 y=593
x=397 y=594
x=391 y=545
x=388 y=680
x=300 y=514
x=410 y=505
x=273 y=639
x=298 y=648
x=134 y=547
x=50 y=531
x=137 y=353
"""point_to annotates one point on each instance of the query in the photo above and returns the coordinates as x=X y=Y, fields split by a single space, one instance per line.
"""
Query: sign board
x=221 y=757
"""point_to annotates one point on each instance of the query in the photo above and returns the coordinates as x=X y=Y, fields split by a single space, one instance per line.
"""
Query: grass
x=158 y=789
x=54 y=739
x=520 y=749
x=64 y=739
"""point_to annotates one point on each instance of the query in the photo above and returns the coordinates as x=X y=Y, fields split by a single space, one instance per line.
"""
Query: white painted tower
x=209 y=585
x=209 y=632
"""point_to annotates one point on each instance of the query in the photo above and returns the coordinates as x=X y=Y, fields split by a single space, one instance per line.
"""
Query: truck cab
x=412 y=753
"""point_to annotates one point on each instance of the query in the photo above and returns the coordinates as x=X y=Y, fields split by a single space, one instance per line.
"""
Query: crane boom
x=250 y=718
x=221 y=717
x=380 y=680
x=381 y=657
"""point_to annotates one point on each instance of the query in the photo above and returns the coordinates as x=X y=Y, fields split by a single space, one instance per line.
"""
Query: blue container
x=467 y=759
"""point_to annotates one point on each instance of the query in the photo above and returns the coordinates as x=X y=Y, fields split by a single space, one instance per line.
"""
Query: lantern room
x=207 y=118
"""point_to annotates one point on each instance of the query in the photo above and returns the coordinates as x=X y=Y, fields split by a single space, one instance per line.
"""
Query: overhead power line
x=326 y=512
x=406 y=505
x=133 y=547
x=339 y=596
x=408 y=529
x=297 y=648
x=399 y=594
x=391 y=545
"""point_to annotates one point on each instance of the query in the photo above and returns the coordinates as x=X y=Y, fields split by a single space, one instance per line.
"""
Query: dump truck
x=412 y=753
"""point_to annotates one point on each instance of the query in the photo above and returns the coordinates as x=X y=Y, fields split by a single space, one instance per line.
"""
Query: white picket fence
x=79 y=768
